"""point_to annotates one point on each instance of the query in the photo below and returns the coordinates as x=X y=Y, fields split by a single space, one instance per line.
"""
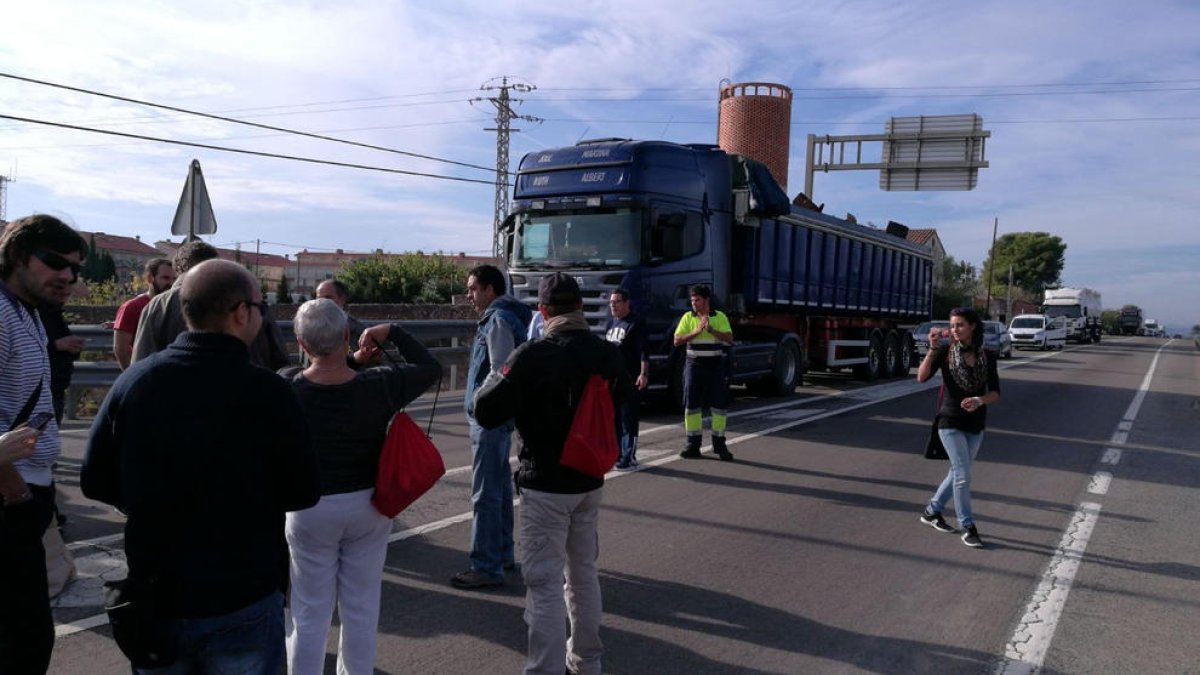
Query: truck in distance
x=802 y=289
x=1152 y=329
x=1129 y=321
x=1081 y=308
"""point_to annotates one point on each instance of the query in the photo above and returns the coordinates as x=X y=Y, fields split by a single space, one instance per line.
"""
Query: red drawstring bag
x=591 y=446
x=409 y=465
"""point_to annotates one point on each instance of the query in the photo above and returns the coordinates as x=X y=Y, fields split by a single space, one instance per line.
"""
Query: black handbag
x=933 y=447
x=144 y=636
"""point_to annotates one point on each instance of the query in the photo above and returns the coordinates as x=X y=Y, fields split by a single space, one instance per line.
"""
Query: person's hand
x=373 y=337
x=17 y=444
x=642 y=382
x=703 y=323
x=971 y=403
x=935 y=336
x=70 y=343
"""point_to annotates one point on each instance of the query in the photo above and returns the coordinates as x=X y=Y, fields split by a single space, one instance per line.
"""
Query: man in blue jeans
x=503 y=324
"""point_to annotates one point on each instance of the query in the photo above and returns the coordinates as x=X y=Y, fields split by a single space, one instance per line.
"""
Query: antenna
x=504 y=116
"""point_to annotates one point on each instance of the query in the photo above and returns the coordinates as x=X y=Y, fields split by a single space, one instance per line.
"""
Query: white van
x=1038 y=331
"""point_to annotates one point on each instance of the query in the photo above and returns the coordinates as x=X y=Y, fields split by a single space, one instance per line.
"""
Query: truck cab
x=1038 y=331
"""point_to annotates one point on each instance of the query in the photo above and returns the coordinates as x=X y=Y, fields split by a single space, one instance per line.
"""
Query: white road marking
x=1100 y=482
x=1026 y=649
x=1111 y=456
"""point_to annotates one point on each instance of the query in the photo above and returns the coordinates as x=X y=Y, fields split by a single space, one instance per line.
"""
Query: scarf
x=971 y=379
x=564 y=322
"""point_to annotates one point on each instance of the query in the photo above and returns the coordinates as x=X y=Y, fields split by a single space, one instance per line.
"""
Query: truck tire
x=873 y=368
x=908 y=350
x=789 y=369
x=891 y=355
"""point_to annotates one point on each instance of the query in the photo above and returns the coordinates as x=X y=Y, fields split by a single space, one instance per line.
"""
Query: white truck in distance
x=1038 y=331
x=1081 y=308
x=1152 y=329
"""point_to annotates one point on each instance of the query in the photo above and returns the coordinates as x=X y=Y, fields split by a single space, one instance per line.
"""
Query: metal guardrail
x=445 y=339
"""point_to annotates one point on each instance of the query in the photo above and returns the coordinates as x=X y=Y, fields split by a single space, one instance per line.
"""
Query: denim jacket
x=502 y=327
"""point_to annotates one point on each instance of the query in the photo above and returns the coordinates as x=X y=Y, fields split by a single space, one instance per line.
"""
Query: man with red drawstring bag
x=544 y=385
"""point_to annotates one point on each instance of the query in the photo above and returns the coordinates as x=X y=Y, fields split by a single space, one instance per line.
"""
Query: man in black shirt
x=205 y=452
x=540 y=385
x=627 y=330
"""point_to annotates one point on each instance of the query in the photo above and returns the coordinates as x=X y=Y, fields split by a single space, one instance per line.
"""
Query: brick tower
x=755 y=120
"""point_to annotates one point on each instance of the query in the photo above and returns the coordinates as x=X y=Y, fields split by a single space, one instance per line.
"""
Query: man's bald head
x=215 y=290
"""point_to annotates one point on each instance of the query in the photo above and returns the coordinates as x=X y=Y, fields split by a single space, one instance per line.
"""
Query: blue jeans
x=491 y=499
x=962 y=447
x=627 y=418
x=248 y=641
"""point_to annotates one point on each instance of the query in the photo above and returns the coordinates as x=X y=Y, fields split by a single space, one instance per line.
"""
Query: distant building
x=129 y=254
x=928 y=237
x=266 y=267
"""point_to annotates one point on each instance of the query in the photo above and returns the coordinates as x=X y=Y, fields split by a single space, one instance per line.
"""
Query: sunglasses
x=58 y=263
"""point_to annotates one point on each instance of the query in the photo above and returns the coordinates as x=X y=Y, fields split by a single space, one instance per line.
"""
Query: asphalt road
x=806 y=556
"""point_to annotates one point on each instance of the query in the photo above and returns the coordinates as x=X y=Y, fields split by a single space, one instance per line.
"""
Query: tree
x=404 y=278
x=283 y=292
x=1109 y=320
x=98 y=265
x=956 y=286
x=1036 y=258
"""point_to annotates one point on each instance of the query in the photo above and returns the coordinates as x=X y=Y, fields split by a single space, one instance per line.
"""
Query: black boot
x=692 y=451
x=722 y=451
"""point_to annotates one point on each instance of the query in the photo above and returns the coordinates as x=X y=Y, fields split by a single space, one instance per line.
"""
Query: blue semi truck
x=803 y=290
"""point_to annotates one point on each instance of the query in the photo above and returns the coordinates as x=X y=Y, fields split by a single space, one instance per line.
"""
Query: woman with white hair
x=338 y=547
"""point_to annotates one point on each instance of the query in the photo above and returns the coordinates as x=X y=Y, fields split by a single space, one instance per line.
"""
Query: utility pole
x=503 y=103
x=987 y=308
x=4 y=181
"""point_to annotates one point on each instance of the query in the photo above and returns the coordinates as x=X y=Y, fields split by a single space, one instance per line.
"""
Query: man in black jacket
x=205 y=452
x=540 y=385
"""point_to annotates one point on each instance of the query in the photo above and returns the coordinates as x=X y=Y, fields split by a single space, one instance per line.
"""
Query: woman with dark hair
x=970 y=384
x=338 y=546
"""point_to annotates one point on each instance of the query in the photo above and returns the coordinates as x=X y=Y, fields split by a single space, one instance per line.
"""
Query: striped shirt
x=23 y=363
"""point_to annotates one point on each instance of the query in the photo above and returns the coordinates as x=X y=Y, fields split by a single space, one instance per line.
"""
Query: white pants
x=559 y=535
x=337 y=552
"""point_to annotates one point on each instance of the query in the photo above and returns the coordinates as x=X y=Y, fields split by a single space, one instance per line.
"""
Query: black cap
x=557 y=290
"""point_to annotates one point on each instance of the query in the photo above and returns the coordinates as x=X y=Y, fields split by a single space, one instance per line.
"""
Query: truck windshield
x=1069 y=311
x=593 y=238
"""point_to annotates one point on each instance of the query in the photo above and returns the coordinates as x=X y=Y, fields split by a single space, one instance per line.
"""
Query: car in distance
x=921 y=336
x=1038 y=331
x=997 y=340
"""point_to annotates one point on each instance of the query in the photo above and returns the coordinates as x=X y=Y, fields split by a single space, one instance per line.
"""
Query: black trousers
x=26 y=625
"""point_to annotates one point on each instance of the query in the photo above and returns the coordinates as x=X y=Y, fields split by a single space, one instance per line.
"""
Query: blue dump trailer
x=803 y=290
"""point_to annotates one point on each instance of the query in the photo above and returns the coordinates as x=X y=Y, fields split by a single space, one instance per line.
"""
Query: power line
x=1011 y=94
x=241 y=151
x=900 y=88
x=243 y=122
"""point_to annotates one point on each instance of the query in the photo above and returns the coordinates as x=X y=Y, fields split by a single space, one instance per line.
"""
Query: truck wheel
x=788 y=369
x=891 y=355
x=907 y=348
x=873 y=368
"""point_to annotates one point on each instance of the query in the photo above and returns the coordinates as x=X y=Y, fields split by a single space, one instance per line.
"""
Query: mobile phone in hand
x=40 y=420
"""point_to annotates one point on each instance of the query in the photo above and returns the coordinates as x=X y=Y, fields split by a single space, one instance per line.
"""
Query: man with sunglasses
x=205 y=452
x=40 y=257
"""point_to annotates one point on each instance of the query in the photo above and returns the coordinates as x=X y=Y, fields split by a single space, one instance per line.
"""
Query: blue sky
x=1094 y=109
